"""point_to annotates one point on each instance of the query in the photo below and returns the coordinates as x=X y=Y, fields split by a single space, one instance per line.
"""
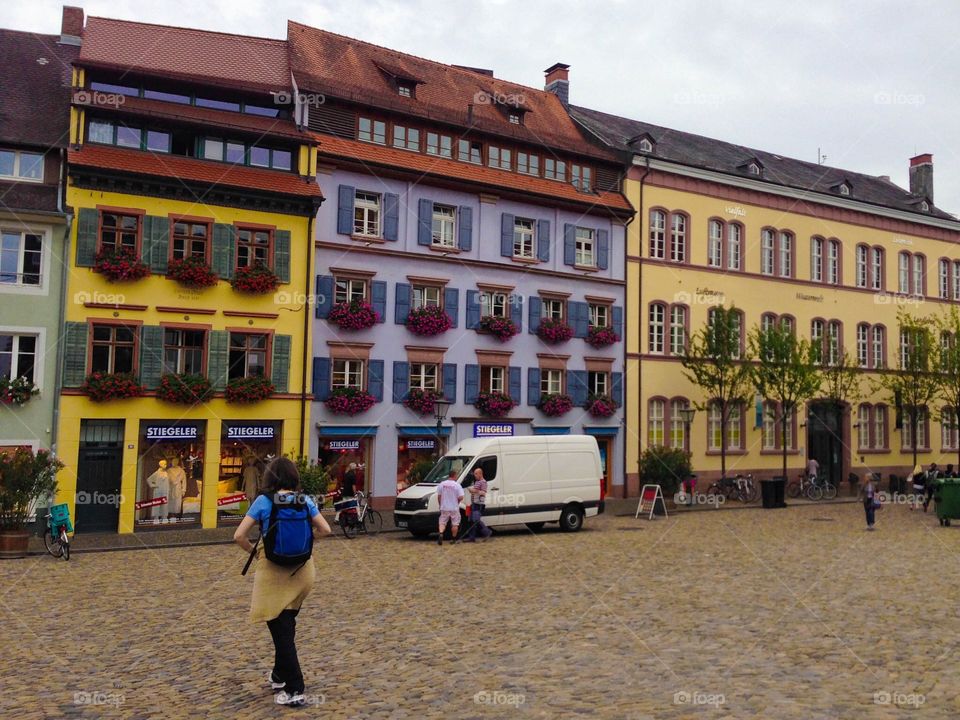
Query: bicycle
x=740 y=487
x=355 y=515
x=55 y=537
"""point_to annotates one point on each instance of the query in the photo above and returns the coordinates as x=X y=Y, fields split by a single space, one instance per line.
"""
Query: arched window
x=863 y=345
x=863 y=427
x=879 y=349
x=816 y=259
x=943 y=275
x=678 y=237
x=658 y=312
x=715 y=244
x=678 y=329
x=658 y=232
x=767 y=242
x=678 y=435
x=833 y=262
x=734 y=243
x=876 y=268
x=863 y=253
x=919 y=280
x=903 y=273
x=834 y=347
x=655 y=410
x=948 y=429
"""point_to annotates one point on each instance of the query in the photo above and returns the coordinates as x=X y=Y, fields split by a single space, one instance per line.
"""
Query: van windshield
x=443 y=467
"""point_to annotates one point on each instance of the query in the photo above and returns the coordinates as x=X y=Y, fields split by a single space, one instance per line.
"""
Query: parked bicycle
x=812 y=489
x=355 y=515
x=740 y=487
x=56 y=535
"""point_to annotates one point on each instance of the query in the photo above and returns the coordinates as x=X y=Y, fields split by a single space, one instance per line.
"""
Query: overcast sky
x=869 y=83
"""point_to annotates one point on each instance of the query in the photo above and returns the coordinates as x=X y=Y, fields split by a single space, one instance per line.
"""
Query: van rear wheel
x=571 y=518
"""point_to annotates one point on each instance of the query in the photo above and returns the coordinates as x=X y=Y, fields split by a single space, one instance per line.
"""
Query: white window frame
x=356 y=289
x=658 y=234
x=816 y=259
x=863 y=345
x=767 y=252
x=43 y=288
x=552 y=309
x=656 y=318
x=17 y=161
x=943 y=270
x=352 y=369
x=598 y=382
x=833 y=262
x=863 y=256
x=443 y=229
x=679 y=231
x=786 y=254
x=425 y=376
x=903 y=273
x=496 y=378
x=916 y=277
x=595 y=311
x=523 y=246
x=876 y=268
x=715 y=244
x=656 y=412
x=586 y=255
x=864 y=426
x=40 y=352
x=371 y=206
x=877 y=340
x=551 y=381
x=734 y=243
x=421 y=296
x=678 y=330
x=494 y=304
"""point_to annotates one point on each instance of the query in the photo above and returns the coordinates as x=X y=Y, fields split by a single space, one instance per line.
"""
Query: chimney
x=71 y=26
x=557 y=81
x=921 y=176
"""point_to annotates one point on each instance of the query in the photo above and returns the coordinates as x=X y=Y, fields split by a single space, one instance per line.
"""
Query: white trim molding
x=39 y=362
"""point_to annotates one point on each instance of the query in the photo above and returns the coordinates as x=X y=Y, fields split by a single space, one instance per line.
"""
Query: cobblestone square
x=796 y=613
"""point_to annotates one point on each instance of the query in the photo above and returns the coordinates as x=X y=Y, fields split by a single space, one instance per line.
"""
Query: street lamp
x=440 y=408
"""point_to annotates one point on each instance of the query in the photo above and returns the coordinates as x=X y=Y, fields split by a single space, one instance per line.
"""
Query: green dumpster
x=946 y=496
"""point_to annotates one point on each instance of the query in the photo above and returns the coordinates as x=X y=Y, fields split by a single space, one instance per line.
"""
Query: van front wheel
x=571 y=518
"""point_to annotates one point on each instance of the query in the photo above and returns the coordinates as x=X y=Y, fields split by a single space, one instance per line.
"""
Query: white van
x=532 y=480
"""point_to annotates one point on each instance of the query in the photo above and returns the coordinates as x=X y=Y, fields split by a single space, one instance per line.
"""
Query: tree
x=948 y=365
x=785 y=372
x=715 y=363
x=916 y=381
x=840 y=381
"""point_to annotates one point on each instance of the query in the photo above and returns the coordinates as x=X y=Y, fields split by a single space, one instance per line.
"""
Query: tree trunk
x=723 y=442
x=915 y=425
x=783 y=442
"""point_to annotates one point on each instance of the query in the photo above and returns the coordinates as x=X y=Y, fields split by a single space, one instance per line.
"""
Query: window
x=349 y=289
x=498 y=157
x=128 y=137
x=786 y=254
x=816 y=339
x=715 y=243
x=18 y=356
x=581 y=177
x=253 y=247
x=863 y=345
x=879 y=436
x=598 y=383
x=903 y=274
x=678 y=429
x=493 y=379
x=108 y=133
x=118 y=231
x=737 y=327
x=863 y=427
x=656 y=328
x=551 y=382
x=554 y=169
x=444 y=226
x=879 y=346
x=918 y=276
x=406 y=138
x=734 y=240
x=493 y=304
x=21 y=165
x=404 y=88
x=21 y=257
x=914 y=416
x=440 y=145
x=374 y=131
x=528 y=164
x=599 y=315
x=678 y=237
x=834 y=342
x=248 y=355
x=766 y=252
x=944 y=278
x=523 y=238
x=719 y=246
x=862 y=252
x=426 y=296
x=767 y=322
x=552 y=309
x=183 y=351
x=714 y=423
x=816 y=259
x=515 y=119
x=776 y=252
x=424 y=376
x=770 y=423
x=955 y=285
x=189 y=240
x=259 y=156
x=876 y=268
x=585 y=255
x=366 y=214
x=949 y=436
x=655 y=423
x=347 y=374
x=470 y=151
x=678 y=330
x=113 y=349
x=658 y=232
x=833 y=262
x=646 y=146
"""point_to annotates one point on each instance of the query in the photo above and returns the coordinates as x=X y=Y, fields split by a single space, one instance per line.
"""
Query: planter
x=248 y=390
x=601 y=407
x=554 y=331
x=17 y=391
x=184 y=389
x=494 y=404
x=502 y=328
x=13 y=544
x=422 y=401
x=120 y=265
x=349 y=401
x=428 y=321
x=555 y=405
x=101 y=387
x=192 y=272
x=255 y=280
x=353 y=315
x=599 y=337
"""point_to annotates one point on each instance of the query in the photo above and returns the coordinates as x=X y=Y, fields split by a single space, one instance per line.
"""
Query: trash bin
x=946 y=498
x=772 y=492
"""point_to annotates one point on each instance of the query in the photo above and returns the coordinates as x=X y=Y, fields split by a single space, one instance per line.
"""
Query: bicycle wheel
x=814 y=492
x=372 y=522
x=349 y=526
x=64 y=544
x=753 y=491
x=829 y=491
x=53 y=547
x=715 y=489
x=793 y=489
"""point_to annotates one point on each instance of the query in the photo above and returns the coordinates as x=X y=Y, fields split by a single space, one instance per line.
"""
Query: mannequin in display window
x=178 y=486
x=251 y=478
x=159 y=484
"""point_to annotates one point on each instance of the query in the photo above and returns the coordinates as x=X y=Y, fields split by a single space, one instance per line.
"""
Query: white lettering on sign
x=421 y=444
x=250 y=432
x=173 y=432
x=903 y=241
x=736 y=210
x=343 y=445
x=493 y=429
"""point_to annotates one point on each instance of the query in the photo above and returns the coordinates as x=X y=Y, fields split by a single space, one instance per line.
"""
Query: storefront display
x=170 y=473
x=245 y=450
x=415 y=457
x=336 y=455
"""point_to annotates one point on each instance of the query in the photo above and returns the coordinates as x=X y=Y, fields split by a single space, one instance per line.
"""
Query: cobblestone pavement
x=795 y=613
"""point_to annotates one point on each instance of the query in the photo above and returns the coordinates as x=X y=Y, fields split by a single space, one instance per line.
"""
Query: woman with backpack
x=285 y=571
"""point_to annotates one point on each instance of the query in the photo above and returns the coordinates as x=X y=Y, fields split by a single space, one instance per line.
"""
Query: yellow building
x=190 y=265
x=834 y=252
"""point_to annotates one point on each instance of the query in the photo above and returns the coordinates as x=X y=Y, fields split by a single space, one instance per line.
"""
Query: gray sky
x=869 y=83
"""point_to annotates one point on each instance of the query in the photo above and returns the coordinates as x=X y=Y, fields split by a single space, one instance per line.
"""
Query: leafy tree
x=840 y=381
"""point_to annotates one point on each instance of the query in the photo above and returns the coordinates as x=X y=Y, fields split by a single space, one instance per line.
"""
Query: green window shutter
x=224 y=250
x=88 y=222
x=74 y=353
x=218 y=358
x=156 y=243
x=280 y=370
x=151 y=356
x=281 y=255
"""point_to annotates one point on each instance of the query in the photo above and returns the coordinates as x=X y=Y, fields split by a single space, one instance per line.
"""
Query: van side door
x=490 y=466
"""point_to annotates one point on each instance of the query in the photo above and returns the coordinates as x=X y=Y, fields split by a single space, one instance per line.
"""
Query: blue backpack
x=289 y=537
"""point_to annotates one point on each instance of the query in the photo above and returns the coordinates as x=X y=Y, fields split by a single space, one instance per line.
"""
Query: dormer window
x=753 y=169
x=515 y=118
x=844 y=189
x=643 y=142
x=925 y=206
x=405 y=89
x=646 y=146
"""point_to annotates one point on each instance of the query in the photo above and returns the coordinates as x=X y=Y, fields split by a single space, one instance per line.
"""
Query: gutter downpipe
x=646 y=171
x=306 y=336
x=65 y=264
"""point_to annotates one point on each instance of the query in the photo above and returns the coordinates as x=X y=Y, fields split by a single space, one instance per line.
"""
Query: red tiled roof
x=349 y=69
x=192 y=170
x=210 y=57
x=429 y=165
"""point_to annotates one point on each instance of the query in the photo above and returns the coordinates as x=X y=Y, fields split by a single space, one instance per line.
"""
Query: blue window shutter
x=321 y=378
x=543 y=240
x=471 y=383
x=401 y=304
x=425 y=222
x=506 y=234
x=345 y=198
x=88 y=223
x=533 y=386
x=618 y=321
x=569 y=244
x=324 y=299
x=451 y=304
x=535 y=306
x=577 y=386
x=378 y=297
x=516 y=310
x=281 y=255
x=513 y=386
x=473 y=309
x=375 y=379
x=580 y=315
x=616 y=387
x=401 y=380
x=450 y=382
x=603 y=249
x=465 y=231
x=391 y=216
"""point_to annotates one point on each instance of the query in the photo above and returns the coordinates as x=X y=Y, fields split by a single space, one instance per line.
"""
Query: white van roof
x=476 y=446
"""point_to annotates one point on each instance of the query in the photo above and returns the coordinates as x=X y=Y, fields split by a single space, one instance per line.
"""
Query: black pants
x=476 y=522
x=286 y=665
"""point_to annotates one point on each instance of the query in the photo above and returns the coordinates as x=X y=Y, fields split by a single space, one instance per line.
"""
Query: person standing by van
x=449 y=495
x=478 y=503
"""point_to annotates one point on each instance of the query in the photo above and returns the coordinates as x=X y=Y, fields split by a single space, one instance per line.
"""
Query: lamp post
x=686 y=414
x=440 y=409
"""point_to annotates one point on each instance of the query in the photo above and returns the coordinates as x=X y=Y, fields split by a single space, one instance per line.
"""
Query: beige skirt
x=275 y=589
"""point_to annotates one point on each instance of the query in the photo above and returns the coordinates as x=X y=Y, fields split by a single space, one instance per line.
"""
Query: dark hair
x=280 y=474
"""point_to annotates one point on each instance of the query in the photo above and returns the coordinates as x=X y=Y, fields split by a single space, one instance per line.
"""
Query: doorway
x=99 y=470
x=825 y=439
x=606 y=454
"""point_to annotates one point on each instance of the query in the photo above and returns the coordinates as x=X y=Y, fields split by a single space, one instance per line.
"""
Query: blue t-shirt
x=260 y=509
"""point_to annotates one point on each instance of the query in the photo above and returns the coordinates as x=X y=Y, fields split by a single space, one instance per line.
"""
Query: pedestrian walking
x=478 y=503
x=449 y=495
x=918 y=486
x=868 y=493
x=933 y=474
x=288 y=521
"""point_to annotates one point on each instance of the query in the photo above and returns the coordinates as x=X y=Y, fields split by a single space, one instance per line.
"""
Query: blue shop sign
x=425 y=444
x=485 y=430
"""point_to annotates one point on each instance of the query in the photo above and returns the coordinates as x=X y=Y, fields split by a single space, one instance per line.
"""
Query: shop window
x=113 y=349
x=349 y=289
x=415 y=458
x=170 y=486
x=183 y=351
x=18 y=356
x=245 y=451
x=424 y=376
x=426 y=296
x=118 y=231
x=248 y=355
x=336 y=455
x=253 y=247
x=190 y=240
x=348 y=374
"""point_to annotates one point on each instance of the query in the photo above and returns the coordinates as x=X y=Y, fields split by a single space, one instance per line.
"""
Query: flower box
x=184 y=389
x=502 y=328
x=101 y=387
x=248 y=390
x=17 y=391
x=494 y=404
x=554 y=331
x=601 y=406
x=349 y=401
x=354 y=315
x=600 y=337
x=428 y=321
x=555 y=405
x=255 y=280
x=192 y=272
x=121 y=265
x=421 y=401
